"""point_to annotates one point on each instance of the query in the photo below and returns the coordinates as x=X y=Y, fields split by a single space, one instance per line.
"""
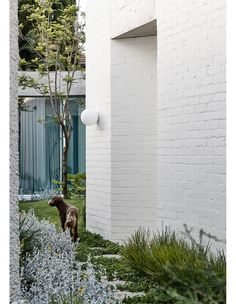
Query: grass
x=43 y=211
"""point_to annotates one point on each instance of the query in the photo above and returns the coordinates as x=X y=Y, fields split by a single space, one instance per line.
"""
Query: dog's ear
x=54 y=200
x=58 y=199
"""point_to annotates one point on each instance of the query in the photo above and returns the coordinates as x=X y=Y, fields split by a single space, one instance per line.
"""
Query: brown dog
x=68 y=215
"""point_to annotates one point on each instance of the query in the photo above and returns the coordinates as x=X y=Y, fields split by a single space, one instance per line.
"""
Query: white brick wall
x=157 y=158
x=191 y=114
x=98 y=138
x=133 y=135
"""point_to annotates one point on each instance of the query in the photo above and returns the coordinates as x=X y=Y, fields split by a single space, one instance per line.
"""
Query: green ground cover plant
x=155 y=296
x=93 y=244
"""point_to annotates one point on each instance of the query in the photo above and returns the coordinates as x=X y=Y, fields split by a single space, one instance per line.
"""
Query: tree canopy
x=57 y=50
x=28 y=34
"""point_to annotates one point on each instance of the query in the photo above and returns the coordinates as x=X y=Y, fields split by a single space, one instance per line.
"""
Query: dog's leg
x=71 y=232
x=75 y=232
x=63 y=227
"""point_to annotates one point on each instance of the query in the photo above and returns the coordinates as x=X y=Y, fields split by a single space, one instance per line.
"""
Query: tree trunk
x=64 y=172
x=65 y=165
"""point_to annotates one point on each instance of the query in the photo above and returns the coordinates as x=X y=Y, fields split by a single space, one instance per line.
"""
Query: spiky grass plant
x=183 y=265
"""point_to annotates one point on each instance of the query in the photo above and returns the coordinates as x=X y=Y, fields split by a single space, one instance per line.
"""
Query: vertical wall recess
x=133 y=135
x=121 y=149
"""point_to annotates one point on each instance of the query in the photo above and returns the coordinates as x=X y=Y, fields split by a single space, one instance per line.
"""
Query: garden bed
x=146 y=270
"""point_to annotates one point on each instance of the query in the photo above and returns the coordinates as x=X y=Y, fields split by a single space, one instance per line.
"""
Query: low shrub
x=50 y=273
x=186 y=267
x=29 y=236
x=76 y=185
x=54 y=278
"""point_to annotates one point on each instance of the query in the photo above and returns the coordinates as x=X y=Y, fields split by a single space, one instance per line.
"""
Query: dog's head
x=55 y=200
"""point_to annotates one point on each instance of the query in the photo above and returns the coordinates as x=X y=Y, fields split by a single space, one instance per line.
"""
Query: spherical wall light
x=89 y=117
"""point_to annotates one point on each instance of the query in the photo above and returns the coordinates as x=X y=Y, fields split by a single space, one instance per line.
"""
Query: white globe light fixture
x=89 y=117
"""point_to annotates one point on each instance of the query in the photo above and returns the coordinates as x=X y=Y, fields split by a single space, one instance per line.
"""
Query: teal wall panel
x=40 y=145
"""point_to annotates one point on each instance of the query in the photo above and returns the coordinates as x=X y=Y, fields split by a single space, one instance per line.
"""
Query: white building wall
x=133 y=135
x=177 y=136
x=98 y=138
x=191 y=114
x=127 y=15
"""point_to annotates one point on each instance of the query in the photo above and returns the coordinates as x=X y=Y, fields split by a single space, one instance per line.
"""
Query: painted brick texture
x=98 y=138
x=133 y=135
x=157 y=156
x=191 y=114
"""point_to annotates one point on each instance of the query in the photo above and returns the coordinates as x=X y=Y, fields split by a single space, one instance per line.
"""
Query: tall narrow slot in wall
x=133 y=134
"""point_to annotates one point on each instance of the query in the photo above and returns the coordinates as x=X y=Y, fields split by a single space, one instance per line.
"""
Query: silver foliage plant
x=51 y=273
x=42 y=194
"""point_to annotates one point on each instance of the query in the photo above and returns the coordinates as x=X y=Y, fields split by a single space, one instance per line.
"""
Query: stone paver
x=95 y=248
x=124 y=294
x=121 y=293
x=118 y=282
x=109 y=256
